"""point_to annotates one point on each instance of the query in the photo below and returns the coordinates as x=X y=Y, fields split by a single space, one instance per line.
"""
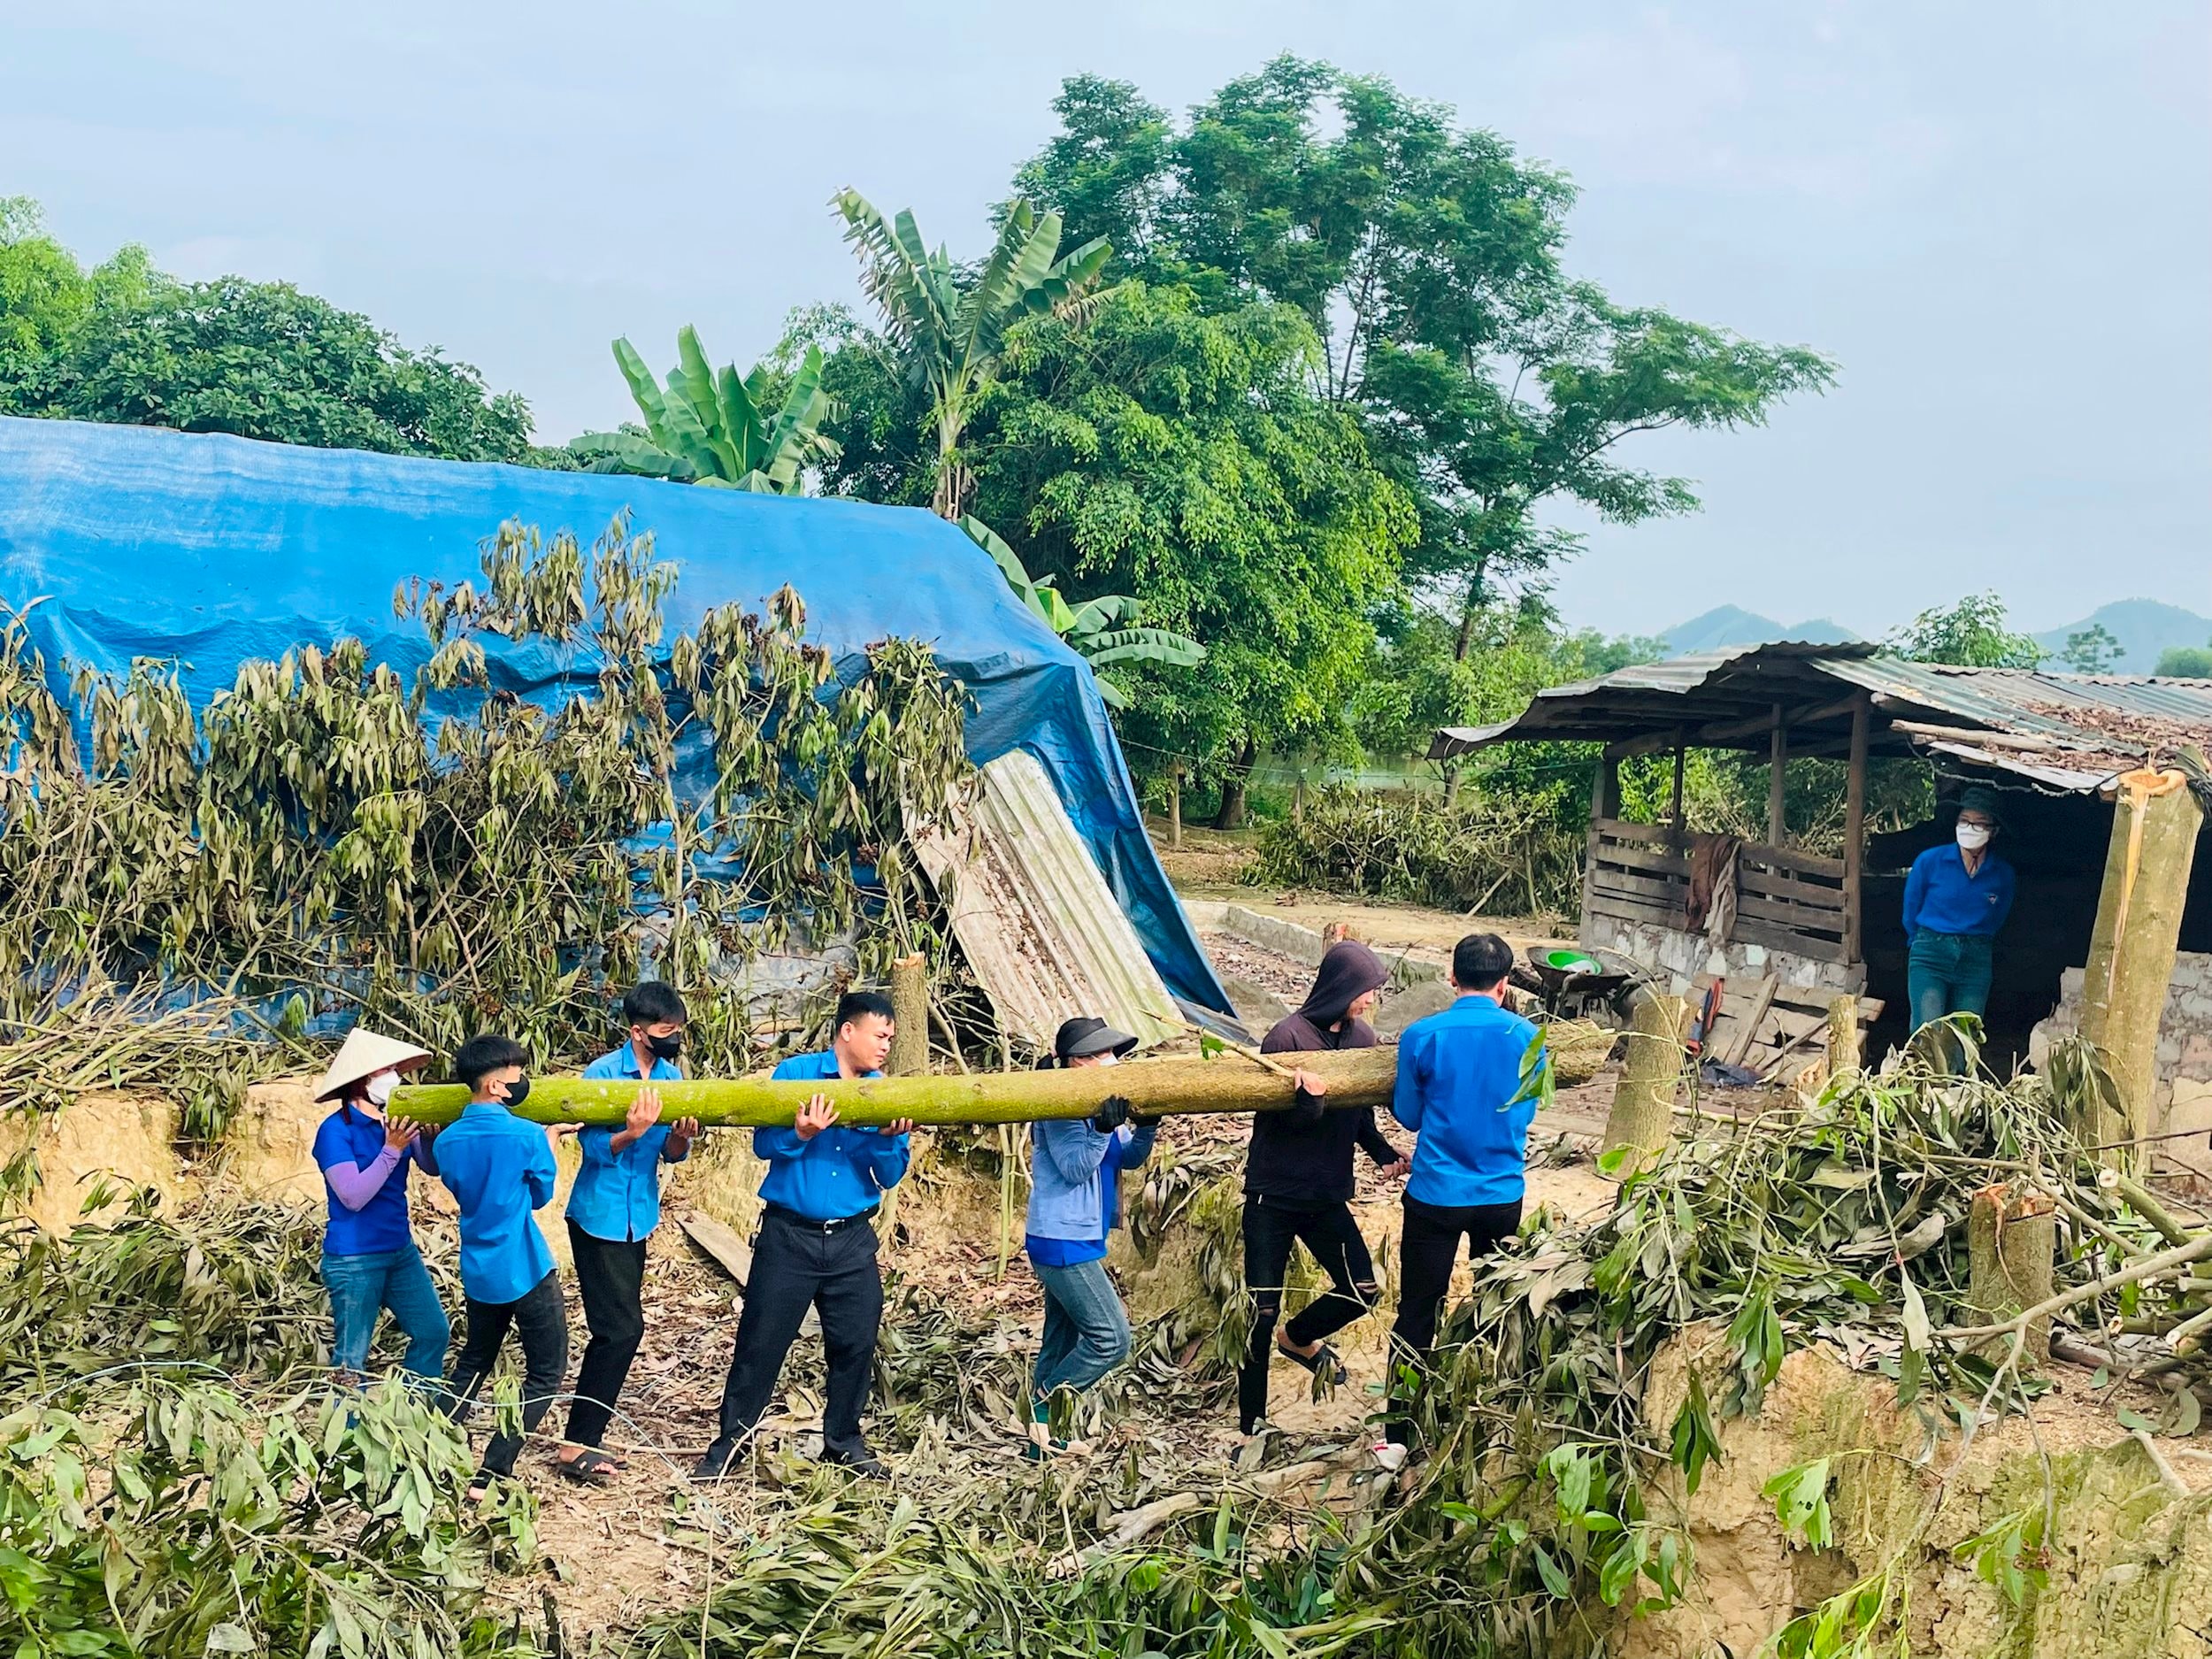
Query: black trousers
x=1427 y=1251
x=797 y=1266
x=610 y=1278
x=541 y=1322
x=1328 y=1231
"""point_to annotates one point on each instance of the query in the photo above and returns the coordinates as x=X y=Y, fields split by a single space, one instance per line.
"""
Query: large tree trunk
x=2155 y=823
x=1231 y=816
x=1472 y=608
x=1227 y=1083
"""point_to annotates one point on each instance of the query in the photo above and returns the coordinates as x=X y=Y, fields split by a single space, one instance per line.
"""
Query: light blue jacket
x=1066 y=1193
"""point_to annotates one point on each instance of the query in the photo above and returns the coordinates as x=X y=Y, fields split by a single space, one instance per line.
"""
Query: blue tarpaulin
x=211 y=551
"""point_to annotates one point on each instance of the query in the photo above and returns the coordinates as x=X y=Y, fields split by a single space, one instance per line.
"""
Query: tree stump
x=1651 y=1073
x=2012 y=1241
x=910 y=1007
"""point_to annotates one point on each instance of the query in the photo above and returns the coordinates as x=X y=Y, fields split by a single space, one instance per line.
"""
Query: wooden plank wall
x=1785 y=899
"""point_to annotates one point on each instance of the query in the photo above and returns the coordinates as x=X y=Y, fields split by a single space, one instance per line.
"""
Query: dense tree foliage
x=1426 y=257
x=124 y=342
x=1179 y=454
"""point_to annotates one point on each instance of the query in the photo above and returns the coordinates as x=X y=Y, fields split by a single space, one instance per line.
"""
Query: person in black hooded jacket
x=1298 y=1184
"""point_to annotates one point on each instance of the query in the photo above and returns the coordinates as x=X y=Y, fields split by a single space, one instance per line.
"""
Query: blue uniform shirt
x=1457 y=1071
x=1942 y=898
x=379 y=1226
x=840 y=1173
x=618 y=1194
x=501 y=1169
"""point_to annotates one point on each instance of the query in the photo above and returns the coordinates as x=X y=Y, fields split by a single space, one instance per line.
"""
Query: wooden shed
x=1831 y=920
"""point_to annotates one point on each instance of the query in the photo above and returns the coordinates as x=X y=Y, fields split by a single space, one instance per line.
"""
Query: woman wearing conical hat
x=370 y=1263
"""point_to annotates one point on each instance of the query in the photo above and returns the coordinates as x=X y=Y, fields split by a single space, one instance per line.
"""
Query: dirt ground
x=1210 y=863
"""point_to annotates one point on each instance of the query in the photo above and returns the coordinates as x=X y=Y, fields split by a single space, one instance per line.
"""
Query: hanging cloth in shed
x=1710 y=908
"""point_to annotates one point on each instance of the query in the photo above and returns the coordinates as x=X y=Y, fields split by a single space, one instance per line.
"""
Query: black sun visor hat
x=1079 y=1038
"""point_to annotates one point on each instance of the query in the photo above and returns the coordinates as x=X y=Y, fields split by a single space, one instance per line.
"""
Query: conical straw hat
x=364 y=1055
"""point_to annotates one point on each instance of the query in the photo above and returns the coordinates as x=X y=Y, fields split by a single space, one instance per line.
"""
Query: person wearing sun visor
x=1956 y=900
x=1074 y=1201
x=612 y=1209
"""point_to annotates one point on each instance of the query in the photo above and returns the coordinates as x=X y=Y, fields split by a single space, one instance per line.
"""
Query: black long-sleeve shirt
x=1302 y=1155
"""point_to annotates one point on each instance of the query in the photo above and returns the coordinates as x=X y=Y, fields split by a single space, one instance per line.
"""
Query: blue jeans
x=362 y=1286
x=1948 y=973
x=1087 y=1330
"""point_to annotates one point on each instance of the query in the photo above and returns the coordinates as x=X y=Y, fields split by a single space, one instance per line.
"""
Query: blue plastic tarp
x=211 y=551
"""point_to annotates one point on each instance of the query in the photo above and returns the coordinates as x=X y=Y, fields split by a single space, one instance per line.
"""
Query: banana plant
x=1101 y=631
x=713 y=428
x=954 y=329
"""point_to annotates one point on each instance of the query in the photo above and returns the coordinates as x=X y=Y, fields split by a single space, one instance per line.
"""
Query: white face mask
x=1973 y=837
x=1110 y=1059
x=381 y=1088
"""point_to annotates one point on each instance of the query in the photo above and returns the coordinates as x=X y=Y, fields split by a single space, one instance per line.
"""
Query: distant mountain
x=2144 y=628
x=1731 y=625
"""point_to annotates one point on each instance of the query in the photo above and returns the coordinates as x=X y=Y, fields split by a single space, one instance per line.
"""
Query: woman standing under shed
x=1956 y=900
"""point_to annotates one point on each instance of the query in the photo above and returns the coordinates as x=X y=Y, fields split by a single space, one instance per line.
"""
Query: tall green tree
x=1426 y=259
x=1177 y=453
x=123 y=342
x=951 y=325
x=717 y=429
x=1972 y=633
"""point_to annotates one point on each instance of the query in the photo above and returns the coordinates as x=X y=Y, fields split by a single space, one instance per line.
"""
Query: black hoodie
x=1302 y=1158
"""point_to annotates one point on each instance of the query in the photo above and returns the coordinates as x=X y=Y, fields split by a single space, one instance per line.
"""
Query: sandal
x=1322 y=1355
x=590 y=1467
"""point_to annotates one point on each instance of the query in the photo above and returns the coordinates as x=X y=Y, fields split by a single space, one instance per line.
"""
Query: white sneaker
x=1391 y=1455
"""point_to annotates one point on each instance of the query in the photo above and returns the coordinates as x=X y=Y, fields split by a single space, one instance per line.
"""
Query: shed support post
x=1674 y=810
x=1605 y=802
x=2155 y=823
x=1855 y=832
x=1778 y=771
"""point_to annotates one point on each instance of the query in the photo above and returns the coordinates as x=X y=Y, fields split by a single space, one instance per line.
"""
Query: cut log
x=2155 y=823
x=909 y=1007
x=1355 y=1076
x=1643 y=1100
x=1843 y=1035
x=2012 y=1241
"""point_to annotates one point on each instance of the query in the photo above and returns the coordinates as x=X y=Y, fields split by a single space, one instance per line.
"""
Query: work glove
x=1112 y=1112
x=1144 y=1120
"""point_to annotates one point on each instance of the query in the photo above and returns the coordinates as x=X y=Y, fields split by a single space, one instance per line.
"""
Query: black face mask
x=518 y=1091
x=666 y=1047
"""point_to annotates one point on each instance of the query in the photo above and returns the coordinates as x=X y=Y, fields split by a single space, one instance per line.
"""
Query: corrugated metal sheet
x=2095 y=726
x=1036 y=919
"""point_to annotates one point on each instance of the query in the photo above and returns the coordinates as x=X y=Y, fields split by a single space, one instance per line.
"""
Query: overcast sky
x=1998 y=217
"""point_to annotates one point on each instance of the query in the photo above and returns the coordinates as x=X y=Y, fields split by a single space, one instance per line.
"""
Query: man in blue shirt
x=501 y=1169
x=615 y=1204
x=817 y=1249
x=1956 y=900
x=1460 y=1091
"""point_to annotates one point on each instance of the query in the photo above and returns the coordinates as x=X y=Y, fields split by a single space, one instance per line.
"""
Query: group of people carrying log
x=1459 y=1087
